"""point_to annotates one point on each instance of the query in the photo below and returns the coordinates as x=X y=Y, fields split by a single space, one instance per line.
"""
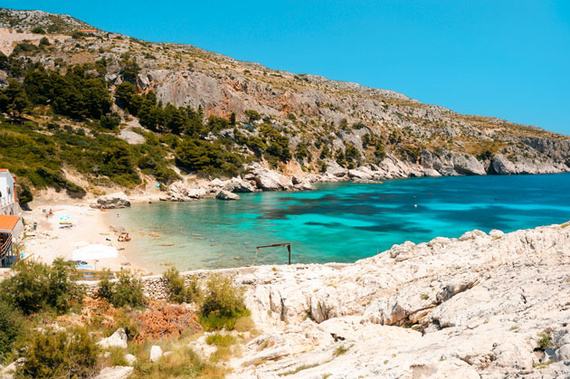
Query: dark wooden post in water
x=286 y=244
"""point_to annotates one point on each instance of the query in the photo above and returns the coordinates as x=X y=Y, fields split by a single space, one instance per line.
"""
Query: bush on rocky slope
x=222 y=305
x=36 y=286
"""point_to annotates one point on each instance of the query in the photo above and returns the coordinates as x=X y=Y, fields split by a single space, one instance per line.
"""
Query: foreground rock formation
x=483 y=305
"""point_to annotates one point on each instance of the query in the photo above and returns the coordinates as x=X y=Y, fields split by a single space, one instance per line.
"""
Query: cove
x=339 y=222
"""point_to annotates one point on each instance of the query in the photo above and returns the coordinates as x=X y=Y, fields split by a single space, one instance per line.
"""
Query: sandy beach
x=50 y=239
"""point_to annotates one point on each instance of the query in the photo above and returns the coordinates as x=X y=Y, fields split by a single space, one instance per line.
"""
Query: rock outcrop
x=475 y=306
x=225 y=195
x=112 y=201
x=117 y=339
x=481 y=305
x=239 y=185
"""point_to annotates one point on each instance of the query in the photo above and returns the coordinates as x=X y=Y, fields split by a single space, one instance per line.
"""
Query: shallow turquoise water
x=341 y=222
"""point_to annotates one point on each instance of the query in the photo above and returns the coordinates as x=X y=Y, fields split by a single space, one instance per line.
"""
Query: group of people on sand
x=124 y=237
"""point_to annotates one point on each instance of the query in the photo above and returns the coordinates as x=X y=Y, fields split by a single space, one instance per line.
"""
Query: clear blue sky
x=506 y=58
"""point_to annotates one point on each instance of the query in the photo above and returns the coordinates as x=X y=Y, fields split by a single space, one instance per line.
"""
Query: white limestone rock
x=477 y=305
x=155 y=353
x=496 y=233
x=225 y=195
x=430 y=172
x=269 y=180
x=130 y=359
x=501 y=165
x=179 y=191
x=116 y=372
x=117 y=339
x=112 y=201
x=240 y=186
x=217 y=183
x=467 y=164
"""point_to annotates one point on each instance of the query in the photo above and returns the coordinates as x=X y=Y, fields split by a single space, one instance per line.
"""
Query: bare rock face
x=217 y=183
x=179 y=191
x=476 y=306
x=269 y=180
x=562 y=353
x=225 y=195
x=501 y=166
x=131 y=137
x=335 y=170
x=240 y=186
x=112 y=201
x=467 y=164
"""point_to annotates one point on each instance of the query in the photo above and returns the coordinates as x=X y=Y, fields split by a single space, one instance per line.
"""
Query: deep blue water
x=341 y=222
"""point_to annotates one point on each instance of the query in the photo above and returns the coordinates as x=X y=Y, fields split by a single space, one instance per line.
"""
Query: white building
x=8 y=196
x=11 y=227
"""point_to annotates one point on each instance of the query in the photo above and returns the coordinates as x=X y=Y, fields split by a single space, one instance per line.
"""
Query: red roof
x=3 y=169
x=8 y=223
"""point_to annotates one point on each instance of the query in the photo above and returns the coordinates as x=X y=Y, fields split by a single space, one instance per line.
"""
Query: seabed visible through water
x=340 y=222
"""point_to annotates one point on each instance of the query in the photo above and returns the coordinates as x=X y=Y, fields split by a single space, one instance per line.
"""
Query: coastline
x=50 y=240
x=96 y=226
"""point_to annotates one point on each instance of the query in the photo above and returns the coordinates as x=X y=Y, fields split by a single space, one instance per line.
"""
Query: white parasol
x=94 y=251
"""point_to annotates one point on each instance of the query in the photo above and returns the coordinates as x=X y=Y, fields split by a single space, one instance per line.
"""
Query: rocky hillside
x=295 y=123
x=483 y=305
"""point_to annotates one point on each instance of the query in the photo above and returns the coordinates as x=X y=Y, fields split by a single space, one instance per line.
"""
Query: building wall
x=7 y=189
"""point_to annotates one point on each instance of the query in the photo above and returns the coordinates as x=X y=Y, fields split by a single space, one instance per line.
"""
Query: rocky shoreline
x=482 y=305
x=260 y=178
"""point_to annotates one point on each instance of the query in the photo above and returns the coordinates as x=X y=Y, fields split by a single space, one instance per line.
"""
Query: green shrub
x=24 y=195
x=252 y=116
x=182 y=362
x=11 y=327
x=127 y=290
x=58 y=354
x=223 y=304
x=36 y=286
x=545 y=341
x=207 y=158
x=126 y=321
x=110 y=121
x=179 y=292
x=218 y=339
x=24 y=47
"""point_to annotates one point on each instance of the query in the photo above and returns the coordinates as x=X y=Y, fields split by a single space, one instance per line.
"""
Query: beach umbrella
x=94 y=251
x=65 y=220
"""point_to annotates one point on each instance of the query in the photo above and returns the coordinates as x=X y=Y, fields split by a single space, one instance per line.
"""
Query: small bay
x=339 y=222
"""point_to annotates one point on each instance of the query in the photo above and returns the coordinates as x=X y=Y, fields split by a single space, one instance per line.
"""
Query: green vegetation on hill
x=58 y=120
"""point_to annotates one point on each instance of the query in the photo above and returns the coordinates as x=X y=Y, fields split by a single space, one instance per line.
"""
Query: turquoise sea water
x=340 y=222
